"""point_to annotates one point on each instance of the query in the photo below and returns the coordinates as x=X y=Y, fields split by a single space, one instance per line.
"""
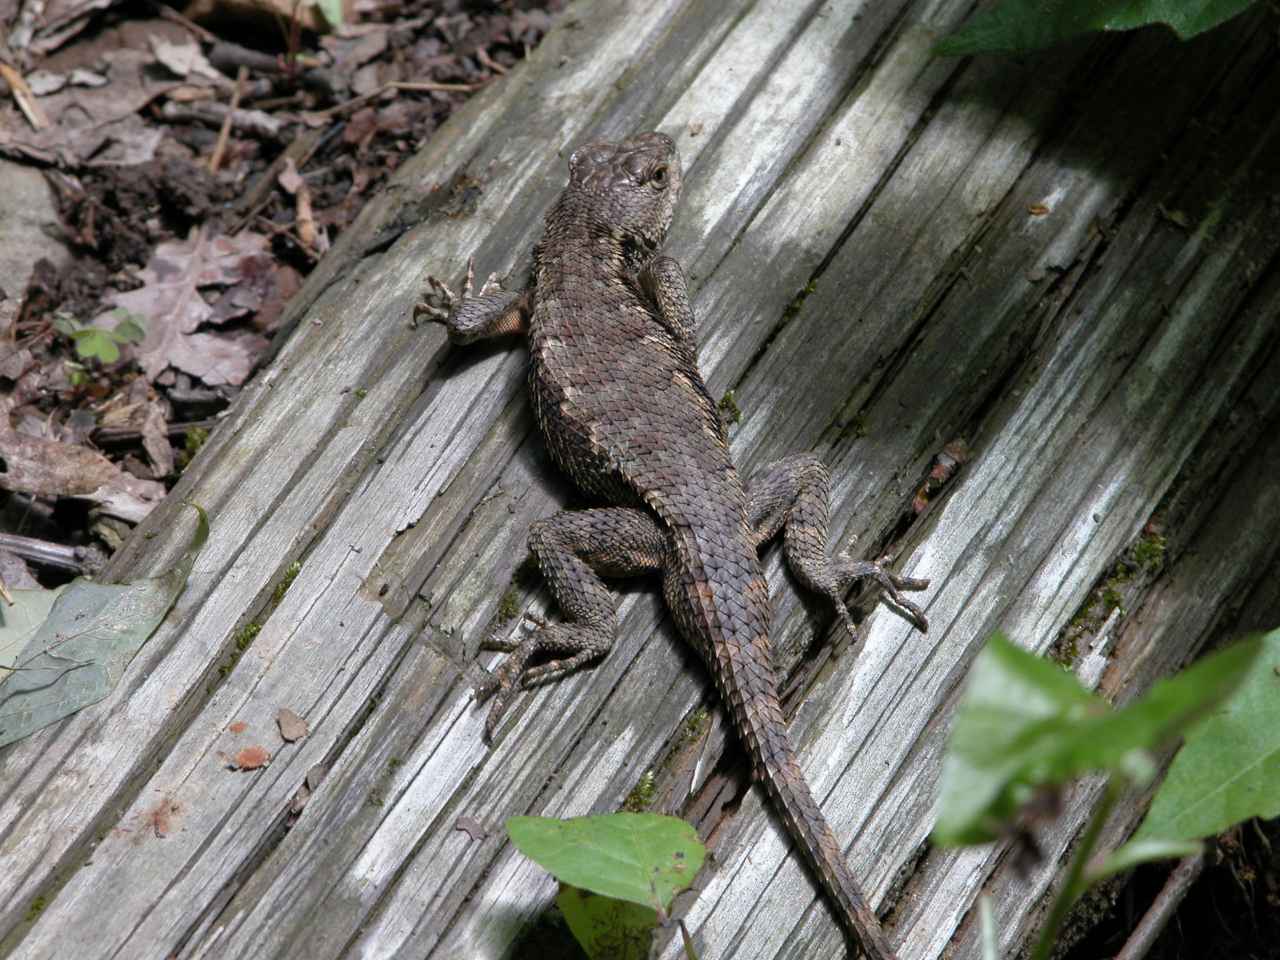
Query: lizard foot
x=448 y=301
x=893 y=584
x=584 y=643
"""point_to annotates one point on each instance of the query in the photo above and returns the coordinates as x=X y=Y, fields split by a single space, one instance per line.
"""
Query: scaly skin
x=625 y=412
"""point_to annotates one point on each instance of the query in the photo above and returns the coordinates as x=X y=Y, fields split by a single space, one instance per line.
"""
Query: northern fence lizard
x=625 y=412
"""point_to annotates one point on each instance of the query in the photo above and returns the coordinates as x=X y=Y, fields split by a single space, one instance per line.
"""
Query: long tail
x=759 y=721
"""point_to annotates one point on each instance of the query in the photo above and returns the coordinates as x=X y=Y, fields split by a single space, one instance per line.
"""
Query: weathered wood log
x=1068 y=261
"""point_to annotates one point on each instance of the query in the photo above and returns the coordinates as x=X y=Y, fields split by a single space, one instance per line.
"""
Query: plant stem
x=1073 y=886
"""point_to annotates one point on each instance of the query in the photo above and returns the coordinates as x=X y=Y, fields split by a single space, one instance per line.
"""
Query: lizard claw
x=572 y=645
x=892 y=583
x=439 y=304
x=437 y=289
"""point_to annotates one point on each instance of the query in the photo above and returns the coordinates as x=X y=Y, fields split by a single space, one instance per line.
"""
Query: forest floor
x=197 y=167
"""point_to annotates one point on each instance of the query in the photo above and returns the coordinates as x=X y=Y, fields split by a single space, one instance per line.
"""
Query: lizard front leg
x=662 y=280
x=573 y=549
x=493 y=312
x=793 y=495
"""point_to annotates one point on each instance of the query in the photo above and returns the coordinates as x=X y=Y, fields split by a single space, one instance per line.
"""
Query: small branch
x=44 y=552
x=1162 y=909
x=1073 y=885
x=112 y=435
x=407 y=85
x=23 y=96
x=224 y=134
x=483 y=56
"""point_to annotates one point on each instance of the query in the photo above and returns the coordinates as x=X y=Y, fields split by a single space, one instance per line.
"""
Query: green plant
x=618 y=874
x=1019 y=25
x=1025 y=727
x=99 y=342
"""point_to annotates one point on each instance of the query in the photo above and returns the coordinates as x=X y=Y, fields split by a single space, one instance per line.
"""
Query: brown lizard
x=626 y=414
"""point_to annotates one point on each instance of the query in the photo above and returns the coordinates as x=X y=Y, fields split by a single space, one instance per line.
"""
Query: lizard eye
x=659 y=178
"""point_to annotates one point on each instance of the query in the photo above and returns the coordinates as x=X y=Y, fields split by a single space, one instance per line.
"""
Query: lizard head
x=631 y=186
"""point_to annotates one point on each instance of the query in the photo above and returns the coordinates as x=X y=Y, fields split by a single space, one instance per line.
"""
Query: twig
x=259 y=193
x=255 y=123
x=111 y=435
x=408 y=85
x=22 y=95
x=44 y=552
x=483 y=56
x=224 y=134
x=168 y=13
x=1073 y=885
x=1162 y=908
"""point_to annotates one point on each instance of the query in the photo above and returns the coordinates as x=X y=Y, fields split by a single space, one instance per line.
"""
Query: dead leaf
x=315 y=776
x=173 y=306
x=292 y=726
x=14 y=365
x=85 y=120
x=298 y=802
x=14 y=572
x=44 y=82
x=294 y=184
x=159 y=819
x=48 y=468
x=237 y=727
x=69 y=647
x=155 y=440
x=251 y=758
x=355 y=44
x=184 y=59
x=61 y=20
x=471 y=827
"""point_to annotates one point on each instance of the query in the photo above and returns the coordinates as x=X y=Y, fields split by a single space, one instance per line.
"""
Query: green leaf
x=1016 y=25
x=607 y=929
x=1014 y=704
x=79 y=651
x=1228 y=770
x=643 y=858
x=65 y=324
x=1025 y=723
x=92 y=342
x=331 y=10
x=1141 y=851
x=131 y=328
x=19 y=623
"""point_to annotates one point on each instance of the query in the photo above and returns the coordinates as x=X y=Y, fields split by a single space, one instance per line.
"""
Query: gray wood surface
x=1067 y=260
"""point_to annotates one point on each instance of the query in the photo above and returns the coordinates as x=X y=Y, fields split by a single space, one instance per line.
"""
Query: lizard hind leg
x=573 y=549
x=792 y=495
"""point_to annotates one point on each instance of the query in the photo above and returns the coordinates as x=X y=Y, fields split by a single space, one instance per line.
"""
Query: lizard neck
x=584 y=246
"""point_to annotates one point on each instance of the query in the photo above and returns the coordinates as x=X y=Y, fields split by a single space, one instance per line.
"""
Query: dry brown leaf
x=184 y=59
x=171 y=303
x=251 y=758
x=48 y=468
x=155 y=440
x=85 y=120
x=15 y=573
x=60 y=21
x=292 y=726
